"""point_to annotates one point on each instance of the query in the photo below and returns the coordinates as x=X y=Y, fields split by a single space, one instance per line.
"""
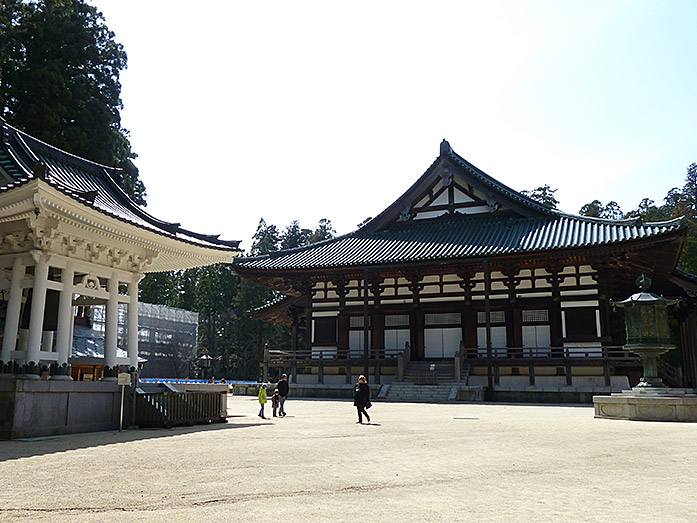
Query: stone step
x=400 y=391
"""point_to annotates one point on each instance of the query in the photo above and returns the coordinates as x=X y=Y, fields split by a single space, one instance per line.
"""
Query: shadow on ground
x=26 y=448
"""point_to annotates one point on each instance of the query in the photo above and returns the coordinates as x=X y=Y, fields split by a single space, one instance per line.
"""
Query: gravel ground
x=415 y=462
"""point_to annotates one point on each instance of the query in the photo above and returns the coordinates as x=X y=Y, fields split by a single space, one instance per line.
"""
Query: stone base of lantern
x=648 y=404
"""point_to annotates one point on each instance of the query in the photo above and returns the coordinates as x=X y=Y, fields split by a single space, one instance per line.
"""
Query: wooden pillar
x=516 y=329
x=555 y=326
x=604 y=308
x=487 y=314
x=366 y=326
x=378 y=333
x=308 y=319
x=688 y=342
x=343 y=324
x=513 y=327
x=469 y=318
x=569 y=375
x=419 y=323
x=531 y=373
x=416 y=316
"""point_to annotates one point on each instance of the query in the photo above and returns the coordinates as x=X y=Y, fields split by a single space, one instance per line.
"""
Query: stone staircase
x=428 y=382
x=401 y=391
x=429 y=372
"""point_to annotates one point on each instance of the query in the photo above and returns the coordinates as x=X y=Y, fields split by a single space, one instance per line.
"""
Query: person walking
x=275 y=402
x=262 y=399
x=283 y=388
x=361 y=398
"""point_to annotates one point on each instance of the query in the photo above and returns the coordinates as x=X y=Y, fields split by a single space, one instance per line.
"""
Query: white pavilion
x=70 y=236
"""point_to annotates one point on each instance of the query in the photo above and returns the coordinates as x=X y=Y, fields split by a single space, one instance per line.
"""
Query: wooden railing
x=672 y=376
x=169 y=409
x=572 y=353
x=322 y=354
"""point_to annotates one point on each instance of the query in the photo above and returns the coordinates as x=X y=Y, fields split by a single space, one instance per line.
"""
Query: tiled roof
x=459 y=237
x=24 y=158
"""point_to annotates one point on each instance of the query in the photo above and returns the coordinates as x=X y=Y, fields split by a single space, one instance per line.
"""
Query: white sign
x=124 y=378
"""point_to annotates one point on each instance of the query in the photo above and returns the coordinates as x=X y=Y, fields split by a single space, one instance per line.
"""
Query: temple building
x=465 y=281
x=69 y=236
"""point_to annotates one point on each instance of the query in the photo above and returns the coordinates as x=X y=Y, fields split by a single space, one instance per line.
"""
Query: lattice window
x=356 y=322
x=496 y=317
x=536 y=316
x=397 y=320
x=447 y=318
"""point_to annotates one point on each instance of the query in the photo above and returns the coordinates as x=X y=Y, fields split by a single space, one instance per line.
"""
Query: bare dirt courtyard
x=415 y=462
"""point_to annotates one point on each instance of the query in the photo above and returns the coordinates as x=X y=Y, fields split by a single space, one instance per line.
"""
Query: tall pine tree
x=59 y=81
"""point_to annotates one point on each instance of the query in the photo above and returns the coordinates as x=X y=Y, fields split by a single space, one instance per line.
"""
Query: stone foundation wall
x=33 y=408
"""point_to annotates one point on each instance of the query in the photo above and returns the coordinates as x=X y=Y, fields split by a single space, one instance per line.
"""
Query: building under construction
x=167 y=341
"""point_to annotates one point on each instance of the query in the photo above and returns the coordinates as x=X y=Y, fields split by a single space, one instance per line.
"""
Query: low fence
x=169 y=409
x=329 y=353
x=571 y=352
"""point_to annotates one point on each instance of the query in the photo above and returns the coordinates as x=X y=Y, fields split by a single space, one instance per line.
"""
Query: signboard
x=124 y=378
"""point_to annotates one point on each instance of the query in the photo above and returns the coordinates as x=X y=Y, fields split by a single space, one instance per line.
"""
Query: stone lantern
x=205 y=363
x=648 y=334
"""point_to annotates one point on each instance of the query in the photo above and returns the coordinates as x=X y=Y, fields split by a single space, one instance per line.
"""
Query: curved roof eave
x=34 y=148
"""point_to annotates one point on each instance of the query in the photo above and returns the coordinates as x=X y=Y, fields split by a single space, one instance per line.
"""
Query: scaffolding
x=167 y=337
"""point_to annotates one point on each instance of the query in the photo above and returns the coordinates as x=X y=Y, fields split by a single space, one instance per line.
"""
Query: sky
x=307 y=110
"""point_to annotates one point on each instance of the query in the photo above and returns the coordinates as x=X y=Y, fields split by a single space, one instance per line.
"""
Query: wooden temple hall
x=465 y=281
x=70 y=237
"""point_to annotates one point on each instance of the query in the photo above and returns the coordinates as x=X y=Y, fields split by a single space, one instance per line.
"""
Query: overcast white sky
x=309 y=110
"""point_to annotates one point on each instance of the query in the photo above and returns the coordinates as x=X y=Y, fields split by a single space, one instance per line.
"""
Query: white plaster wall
x=307 y=379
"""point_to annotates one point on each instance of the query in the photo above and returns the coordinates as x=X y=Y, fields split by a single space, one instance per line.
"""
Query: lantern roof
x=645 y=297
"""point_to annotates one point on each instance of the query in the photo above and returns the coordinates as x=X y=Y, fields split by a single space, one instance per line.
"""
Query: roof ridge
x=490 y=180
x=52 y=148
x=293 y=250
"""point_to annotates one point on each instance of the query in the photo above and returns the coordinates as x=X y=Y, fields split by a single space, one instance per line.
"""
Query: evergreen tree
x=159 y=288
x=323 y=231
x=294 y=236
x=59 y=81
x=596 y=209
x=266 y=239
x=543 y=195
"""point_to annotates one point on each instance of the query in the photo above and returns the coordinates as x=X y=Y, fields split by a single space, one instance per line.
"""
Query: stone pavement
x=416 y=462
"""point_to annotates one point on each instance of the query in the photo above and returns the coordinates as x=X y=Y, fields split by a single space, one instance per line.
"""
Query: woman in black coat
x=361 y=398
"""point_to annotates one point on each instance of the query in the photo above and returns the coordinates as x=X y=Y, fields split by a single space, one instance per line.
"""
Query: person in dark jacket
x=283 y=388
x=361 y=398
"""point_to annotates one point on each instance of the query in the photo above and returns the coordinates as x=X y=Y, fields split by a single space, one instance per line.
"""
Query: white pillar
x=38 y=304
x=23 y=339
x=133 y=322
x=47 y=341
x=14 y=305
x=65 y=317
x=111 y=325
